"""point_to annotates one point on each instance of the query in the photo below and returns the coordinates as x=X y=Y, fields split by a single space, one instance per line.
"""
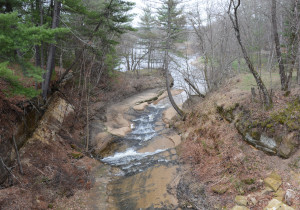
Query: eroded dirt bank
x=54 y=162
x=239 y=155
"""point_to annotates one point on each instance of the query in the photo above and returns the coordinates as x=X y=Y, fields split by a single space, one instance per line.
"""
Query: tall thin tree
x=172 y=22
x=52 y=50
x=234 y=19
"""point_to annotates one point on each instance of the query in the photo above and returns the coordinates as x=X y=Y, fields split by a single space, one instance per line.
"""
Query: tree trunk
x=194 y=88
x=177 y=109
x=166 y=64
x=298 y=71
x=266 y=97
x=42 y=44
x=149 y=55
x=37 y=60
x=277 y=46
x=293 y=42
x=38 y=56
x=37 y=48
x=206 y=73
x=52 y=49
x=87 y=114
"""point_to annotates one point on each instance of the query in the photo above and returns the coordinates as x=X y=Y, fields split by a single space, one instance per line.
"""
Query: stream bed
x=143 y=164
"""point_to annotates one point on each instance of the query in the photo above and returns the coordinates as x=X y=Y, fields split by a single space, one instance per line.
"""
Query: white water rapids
x=131 y=161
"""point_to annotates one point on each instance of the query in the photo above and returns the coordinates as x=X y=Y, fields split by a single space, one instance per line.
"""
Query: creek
x=144 y=167
x=144 y=163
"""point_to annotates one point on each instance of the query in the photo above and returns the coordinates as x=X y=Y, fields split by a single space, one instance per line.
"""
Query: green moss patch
x=289 y=116
x=76 y=155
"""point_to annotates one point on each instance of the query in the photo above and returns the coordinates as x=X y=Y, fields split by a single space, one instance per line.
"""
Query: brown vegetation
x=219 y=157
x=60 y=168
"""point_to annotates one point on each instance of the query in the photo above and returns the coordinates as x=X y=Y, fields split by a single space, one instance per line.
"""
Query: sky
x=139 y=4
x=188 y=4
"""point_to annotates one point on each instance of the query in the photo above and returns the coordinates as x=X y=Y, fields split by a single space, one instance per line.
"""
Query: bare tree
x=234 y=19
x=277 y=46
x=286 y=66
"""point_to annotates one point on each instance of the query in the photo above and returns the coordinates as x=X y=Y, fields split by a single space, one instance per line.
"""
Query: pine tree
x=171 y=19
x=17 y=36
x=171 y=22
x=147 y=32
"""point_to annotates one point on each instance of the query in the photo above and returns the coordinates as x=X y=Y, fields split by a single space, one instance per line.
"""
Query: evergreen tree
x=171 y=19
x=171 y=22
x=17 y=36
x=147 y=32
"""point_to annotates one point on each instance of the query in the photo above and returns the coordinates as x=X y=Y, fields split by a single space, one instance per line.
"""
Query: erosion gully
x=143 y=164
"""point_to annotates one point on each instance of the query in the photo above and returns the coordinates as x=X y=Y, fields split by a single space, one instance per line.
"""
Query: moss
x=289 y=116
x=45 y=179
x=75 y=147
x=295 y=164
x=227 y=113
x=264 y=123
x=76 y=155
x=219 y=188
x=239 y=186
x=255 y=134
x=50 y=206
x=287 y=93
x=256 y=123
x=270 y=125
x=249 y=181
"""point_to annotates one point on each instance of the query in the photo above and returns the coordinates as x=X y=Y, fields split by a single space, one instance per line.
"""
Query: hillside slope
x=223 y=162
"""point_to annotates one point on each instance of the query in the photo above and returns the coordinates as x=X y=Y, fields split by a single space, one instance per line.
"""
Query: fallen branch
x=8 y=170
x=18 y=156
x=194 y=88
x=151 y=99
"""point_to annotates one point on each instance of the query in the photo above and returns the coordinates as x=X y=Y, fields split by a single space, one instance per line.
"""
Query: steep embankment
x=54 y=164
x=50 y=164
x=229 y=140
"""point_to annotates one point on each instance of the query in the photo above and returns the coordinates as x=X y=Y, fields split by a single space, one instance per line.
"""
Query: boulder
x=279 y=195
x=241 y=200
x=253 y=200
x=275 y=204
x=219 y=188
x=140 y=107
x=101 y=141
x=296 y=177
x=288 y=145
x=276 y=135
x=289 y=197
x=273 y=181
x=240 y=208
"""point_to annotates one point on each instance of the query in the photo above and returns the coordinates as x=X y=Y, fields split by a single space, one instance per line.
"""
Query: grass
x=271 y=82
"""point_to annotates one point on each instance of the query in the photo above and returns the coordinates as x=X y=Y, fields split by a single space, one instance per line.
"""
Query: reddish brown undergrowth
x=218 y=156
x=61 y=167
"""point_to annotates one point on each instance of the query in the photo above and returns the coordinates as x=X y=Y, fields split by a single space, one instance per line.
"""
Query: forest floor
x=54 y=162
x=222 y=170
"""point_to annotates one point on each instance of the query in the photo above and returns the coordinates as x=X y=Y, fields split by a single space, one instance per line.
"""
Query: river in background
x=180 y=68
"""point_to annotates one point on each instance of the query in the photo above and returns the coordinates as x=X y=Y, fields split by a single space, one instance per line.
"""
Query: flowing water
x=144 y=163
